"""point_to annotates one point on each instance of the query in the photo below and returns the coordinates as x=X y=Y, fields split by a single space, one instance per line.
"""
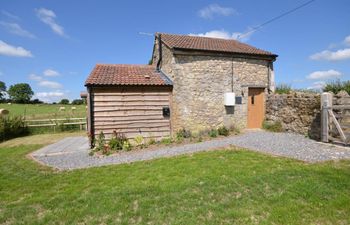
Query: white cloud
x=49 y=96
x=212 y=10
x=214 y=34
x=224 y=34
x=51 y=73
x=48 y=17
x=10 y=15
x=50 y=84
x=15 y=28
x=9 y=50
x=45 y=83
x=341 y=54
x=347 y=40
x=35 y=77
x=324 y=75
x=318 y=85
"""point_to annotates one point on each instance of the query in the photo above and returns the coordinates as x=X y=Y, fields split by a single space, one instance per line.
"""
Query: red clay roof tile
x=188 y=42
x=120 y=74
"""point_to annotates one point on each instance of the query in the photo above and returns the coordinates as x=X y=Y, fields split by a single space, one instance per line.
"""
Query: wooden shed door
x=256 y=111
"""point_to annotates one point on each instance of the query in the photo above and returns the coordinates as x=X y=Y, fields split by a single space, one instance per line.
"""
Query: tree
x=36 y=101
x=2 y=90
x=77 y=102
x=64 y=101
x=20 y=93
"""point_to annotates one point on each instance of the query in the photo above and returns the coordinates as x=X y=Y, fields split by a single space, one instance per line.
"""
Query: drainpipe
x=159 y=52
x=91 y=110
x=232 y=74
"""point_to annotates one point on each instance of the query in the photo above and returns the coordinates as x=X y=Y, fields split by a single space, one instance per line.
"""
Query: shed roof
x=188 y=42
x=121 y=74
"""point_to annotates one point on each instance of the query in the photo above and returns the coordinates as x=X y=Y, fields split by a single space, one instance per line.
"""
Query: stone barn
x=195 y=83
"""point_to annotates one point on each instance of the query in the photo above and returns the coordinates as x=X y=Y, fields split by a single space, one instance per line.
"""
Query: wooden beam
x=326 y=103
x=337 y=125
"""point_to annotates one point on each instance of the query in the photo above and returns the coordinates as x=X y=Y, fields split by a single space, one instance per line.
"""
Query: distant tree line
x=74 y=102
x=334 y=86
x=22 y=93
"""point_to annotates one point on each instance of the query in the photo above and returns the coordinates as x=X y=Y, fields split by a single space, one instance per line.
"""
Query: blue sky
x=53 y=45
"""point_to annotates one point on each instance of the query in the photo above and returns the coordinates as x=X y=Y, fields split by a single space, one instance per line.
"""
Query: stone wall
x=168 y=59
x=200 y=82
x=298 y=112
x=199 y=85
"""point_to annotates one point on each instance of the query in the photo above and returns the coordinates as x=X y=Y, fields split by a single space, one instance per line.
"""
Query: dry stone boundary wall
x=300 y=112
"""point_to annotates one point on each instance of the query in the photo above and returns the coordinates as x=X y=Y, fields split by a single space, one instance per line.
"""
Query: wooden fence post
x=326 y=103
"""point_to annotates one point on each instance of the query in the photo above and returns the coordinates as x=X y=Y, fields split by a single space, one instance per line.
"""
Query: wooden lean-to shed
x=130 y=99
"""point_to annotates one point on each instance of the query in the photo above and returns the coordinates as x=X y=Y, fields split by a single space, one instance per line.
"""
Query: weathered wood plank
x=131 y=98
x=326 y=102
x=340 y=107
x=131 y=110
x=136 y=104
x=337 y=125
x=132 y=123
x=147 y=132
x=132 y=136
x=127 y=126
x=115 y=119
x=129 y=113
x=131 y=94
x=128 y=118
x=122 y=109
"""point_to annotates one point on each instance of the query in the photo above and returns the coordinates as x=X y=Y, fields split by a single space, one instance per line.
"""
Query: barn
x=129 y=99
x=194 y=83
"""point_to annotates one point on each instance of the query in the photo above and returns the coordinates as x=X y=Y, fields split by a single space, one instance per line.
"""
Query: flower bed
x=119 y=142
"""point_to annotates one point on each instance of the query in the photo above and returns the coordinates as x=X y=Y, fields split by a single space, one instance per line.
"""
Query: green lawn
x=222 y=187
x=44 y=111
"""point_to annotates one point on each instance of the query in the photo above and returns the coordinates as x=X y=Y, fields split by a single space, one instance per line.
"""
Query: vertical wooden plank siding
x=132 y=111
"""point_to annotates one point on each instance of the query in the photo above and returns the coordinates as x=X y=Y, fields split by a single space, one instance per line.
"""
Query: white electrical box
x=230 y=99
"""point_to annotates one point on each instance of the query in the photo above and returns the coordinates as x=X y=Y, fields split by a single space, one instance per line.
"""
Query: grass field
x=222 y=187
x=44 y=111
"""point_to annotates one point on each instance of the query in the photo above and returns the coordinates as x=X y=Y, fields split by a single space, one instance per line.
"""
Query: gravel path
x=72 y=153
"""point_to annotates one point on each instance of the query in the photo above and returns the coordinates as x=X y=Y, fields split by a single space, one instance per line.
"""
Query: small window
x=166 y=111
x=238 y=100
x=253 y=99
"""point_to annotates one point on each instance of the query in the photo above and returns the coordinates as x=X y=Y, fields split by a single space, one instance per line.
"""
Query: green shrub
x=273 y=126
x=11 y=127
x=183 y=133
x=152 y=141
x=337 y=86
x=283 y=89
x=117 y=140
x=100 y=142
x=223 y=131
x=213 y=133
x=179 y=139
x=126 y=146
x=139 y=140
x=166 y=141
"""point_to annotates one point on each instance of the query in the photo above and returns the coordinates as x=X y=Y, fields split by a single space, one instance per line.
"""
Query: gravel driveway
x=72 y=153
